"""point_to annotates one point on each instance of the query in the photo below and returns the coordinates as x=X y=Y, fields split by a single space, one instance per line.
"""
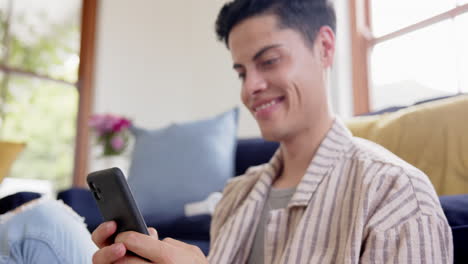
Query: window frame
x=363 y=41
x=85 y=88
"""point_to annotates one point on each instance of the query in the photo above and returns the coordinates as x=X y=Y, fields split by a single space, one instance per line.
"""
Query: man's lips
x=264 y=104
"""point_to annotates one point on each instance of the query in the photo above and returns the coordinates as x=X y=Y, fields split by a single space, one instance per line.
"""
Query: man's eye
x=241 y=76
x=270 y=62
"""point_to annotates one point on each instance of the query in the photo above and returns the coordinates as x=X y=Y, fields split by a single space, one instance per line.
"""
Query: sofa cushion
x=455 y=209
x=431 y=136
x=181 y=163
x=81 y=201
x=193 y=227
x=460 y=244
x=12 y=201
x=253 y=151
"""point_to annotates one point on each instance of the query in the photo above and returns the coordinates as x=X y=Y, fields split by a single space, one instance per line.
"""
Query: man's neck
x=299 y=151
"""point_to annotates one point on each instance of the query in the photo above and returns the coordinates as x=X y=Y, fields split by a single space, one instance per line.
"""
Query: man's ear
x=326 y=42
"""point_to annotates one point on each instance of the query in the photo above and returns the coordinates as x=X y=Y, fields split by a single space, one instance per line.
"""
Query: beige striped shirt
x=357 y=203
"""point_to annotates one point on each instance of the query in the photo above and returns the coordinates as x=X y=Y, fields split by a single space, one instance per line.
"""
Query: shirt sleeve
x=423 y=239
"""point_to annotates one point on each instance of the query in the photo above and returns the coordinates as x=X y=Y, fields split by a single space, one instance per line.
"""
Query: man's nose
x=254 y=83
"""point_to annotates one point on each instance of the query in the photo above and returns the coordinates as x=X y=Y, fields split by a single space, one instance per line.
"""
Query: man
x=325 y=197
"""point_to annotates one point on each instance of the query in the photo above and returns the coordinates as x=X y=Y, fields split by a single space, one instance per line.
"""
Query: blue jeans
x=45 y=232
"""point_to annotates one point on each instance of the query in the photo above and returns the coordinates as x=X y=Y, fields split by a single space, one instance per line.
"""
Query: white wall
x=341 y=93
x=158 y=61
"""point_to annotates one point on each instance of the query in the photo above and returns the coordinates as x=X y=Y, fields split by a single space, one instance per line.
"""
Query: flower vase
x=111 y=161
x=101 y=162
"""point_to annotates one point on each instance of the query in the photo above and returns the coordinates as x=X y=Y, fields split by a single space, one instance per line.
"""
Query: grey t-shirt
x=277 y=199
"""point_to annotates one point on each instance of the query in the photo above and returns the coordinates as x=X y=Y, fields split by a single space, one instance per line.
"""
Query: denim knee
x=46 y=232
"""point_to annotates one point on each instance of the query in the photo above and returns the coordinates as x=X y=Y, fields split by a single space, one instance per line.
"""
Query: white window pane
x=414 y=67
x=391 y=15
x=462 y=40
x=460 y=2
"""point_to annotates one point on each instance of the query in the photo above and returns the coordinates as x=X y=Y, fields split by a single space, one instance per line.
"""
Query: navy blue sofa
x=195 y=230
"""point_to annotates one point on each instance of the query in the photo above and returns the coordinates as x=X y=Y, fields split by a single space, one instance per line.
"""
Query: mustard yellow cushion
x=362 y=126
x=8 y=153
x=432 y=136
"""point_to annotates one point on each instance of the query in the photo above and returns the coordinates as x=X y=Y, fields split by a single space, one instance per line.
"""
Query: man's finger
x=144 y=246
x=131 y=260
x=101 y=235
x=109 y=254
x=153 y=233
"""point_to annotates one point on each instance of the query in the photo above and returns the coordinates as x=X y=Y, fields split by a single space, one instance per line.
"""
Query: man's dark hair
x=304 y=16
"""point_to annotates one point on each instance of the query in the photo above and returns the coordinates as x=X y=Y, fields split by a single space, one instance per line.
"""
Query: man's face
x=283 y=78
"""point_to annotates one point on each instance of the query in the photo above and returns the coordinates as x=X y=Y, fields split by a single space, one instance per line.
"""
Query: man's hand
x=167 y=251
x=108 y=252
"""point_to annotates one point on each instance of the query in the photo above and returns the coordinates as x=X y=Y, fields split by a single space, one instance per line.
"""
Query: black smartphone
x=115 y=200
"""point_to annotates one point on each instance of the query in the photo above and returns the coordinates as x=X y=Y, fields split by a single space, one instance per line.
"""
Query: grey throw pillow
x=181 y=163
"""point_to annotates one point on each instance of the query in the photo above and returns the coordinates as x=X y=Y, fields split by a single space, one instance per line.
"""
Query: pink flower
x=108 y=122
x=101 y=123
x=120 y=125
x=111 y=132
x=117 y=143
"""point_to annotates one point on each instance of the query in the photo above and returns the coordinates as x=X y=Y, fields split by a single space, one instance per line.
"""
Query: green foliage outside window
x=41 y=113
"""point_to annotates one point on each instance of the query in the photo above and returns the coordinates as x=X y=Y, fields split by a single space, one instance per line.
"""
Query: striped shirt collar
x=336 y=142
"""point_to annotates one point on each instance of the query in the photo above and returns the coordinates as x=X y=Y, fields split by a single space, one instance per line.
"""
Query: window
x=415 y=51
x=41 y=98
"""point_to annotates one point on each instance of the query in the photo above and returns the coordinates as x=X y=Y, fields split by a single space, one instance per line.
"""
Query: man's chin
x=271 y=135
